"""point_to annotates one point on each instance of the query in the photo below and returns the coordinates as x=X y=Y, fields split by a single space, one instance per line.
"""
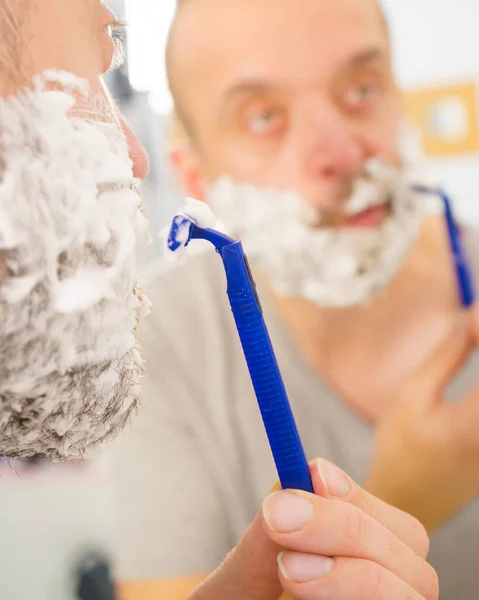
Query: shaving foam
x=336 y=267
x=71 y=237
x=197 y=211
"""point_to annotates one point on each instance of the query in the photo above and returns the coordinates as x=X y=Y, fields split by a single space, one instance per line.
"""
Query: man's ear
x=187 y=167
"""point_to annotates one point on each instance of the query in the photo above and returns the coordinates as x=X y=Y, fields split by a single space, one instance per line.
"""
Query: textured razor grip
x=273 y=402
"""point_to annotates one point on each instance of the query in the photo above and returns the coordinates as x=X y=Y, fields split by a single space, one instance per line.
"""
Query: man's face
x=293 y=115
x=70 y=231
x=74 y=36
x=295 y=96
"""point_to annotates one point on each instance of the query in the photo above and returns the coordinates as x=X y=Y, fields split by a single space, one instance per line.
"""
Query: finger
x=330 y=482
x=250 y=572
x=309 y=524
x=311 y=577
x=432 y=376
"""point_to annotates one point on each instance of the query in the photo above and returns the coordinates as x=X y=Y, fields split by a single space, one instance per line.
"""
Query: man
x=69 y=229
x=293 y=120
x=70 y=367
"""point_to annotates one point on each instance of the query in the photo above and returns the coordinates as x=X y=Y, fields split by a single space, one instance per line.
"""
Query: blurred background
x=436 y=51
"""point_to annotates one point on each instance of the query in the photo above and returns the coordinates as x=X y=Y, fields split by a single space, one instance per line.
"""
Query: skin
x=85 y=22
x=323 y=101
x=257 y=112
x=338 y=521
x=83 y=47
x=389 y=561
x=301 y=105
x=379 y=551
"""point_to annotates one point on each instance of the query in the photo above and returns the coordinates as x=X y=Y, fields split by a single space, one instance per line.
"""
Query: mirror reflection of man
x=70 y=229
x=293 y=121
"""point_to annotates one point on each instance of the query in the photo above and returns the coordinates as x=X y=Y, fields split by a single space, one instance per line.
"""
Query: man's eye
x=361 y=94
x=116 y=30
x=265 y=121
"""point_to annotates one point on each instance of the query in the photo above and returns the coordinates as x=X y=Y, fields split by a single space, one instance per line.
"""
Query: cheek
x=278 y=164
x=391 y=127
x=379 y=136
x=83 y=62
x=243 y=159
x=99 y=90
x=390 y=143
x=241 y=165
x=64 y=39
x=99 y=104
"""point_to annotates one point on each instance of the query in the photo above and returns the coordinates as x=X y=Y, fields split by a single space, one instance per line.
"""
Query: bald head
x=202 y=24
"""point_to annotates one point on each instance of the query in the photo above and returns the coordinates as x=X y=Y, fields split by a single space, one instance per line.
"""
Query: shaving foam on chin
x=71 y=237
x=329 y=266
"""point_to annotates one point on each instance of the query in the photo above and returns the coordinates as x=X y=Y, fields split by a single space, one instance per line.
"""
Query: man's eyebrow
x=248 y=87
x=258 y=87
x=366 y=56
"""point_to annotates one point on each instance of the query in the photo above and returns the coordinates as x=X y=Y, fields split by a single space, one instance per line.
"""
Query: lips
x=370 y=217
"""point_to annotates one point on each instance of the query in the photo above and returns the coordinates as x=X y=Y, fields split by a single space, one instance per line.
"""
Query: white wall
x=436 y=42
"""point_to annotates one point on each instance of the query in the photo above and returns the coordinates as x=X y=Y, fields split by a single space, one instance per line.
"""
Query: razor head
x=180 y=232
x=184 y=229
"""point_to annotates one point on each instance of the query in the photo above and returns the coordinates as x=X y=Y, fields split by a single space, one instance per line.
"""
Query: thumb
x=433 y=375
x=250 y=572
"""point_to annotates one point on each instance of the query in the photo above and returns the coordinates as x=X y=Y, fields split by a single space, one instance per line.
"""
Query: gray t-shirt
x=195 y=466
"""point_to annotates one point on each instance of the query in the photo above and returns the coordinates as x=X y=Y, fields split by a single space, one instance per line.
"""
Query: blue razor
x=464 y=277
x=283 y=436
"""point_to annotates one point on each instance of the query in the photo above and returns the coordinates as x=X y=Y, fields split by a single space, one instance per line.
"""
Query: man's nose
x=333 y=151
x=138 y=154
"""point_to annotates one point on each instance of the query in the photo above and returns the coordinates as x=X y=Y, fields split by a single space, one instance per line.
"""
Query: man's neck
x=364 y=352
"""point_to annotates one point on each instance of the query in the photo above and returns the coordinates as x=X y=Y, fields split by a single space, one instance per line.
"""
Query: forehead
x=220 y=44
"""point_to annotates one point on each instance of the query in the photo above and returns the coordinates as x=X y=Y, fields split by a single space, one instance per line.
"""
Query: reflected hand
x=426 y=456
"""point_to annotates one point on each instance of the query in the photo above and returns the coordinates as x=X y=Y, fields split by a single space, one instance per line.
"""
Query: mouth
x=371 y=217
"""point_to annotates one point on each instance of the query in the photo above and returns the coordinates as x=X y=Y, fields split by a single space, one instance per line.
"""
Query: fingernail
x=276 y=487
x=335 y=481
x=304 y=567
x=286 y=512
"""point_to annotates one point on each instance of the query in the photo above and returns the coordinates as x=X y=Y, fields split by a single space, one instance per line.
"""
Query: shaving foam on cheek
x=197 y=211
x=329 y=266
x=71 y=236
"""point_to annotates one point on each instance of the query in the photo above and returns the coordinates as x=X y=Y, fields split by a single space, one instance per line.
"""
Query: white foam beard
x=70 y=232
x=332 y=267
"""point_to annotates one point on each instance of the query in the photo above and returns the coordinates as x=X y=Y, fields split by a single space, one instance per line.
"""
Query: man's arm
x=173 y=589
